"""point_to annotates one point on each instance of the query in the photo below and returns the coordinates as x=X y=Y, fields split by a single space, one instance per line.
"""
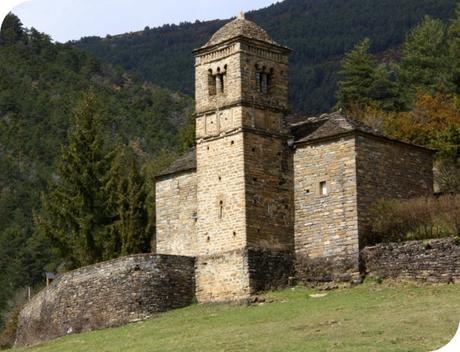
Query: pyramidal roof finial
x=241 y=15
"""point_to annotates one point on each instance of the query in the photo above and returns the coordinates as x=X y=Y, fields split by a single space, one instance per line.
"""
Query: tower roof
x=240 y=26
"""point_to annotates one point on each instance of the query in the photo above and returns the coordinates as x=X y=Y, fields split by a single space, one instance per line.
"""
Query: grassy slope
x=370 y=317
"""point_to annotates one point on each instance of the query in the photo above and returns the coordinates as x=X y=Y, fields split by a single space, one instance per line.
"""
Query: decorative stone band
x=107 y=294
x=245 y=103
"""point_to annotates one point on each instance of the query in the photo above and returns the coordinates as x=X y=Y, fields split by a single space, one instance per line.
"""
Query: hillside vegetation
x=370 y=317
x=319 y=31
x=41 y=83
x=81 y=139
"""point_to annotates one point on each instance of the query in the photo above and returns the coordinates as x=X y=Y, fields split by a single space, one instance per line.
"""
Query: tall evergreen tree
x=424 y=63
x=131 y=232
x=454 y=50
x=384 y=92
x=12 y=30
x=76 y=211
x=358 y=72
x=134 y=224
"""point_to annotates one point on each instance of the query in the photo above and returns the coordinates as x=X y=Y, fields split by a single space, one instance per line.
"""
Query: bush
x=414 y=219
x=10 y=317
x=8 y=334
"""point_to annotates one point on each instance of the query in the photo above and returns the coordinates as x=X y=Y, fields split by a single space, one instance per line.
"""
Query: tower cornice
x=243 y=39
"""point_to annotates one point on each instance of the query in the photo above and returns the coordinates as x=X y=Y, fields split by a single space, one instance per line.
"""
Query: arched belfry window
x=211 y=83
x=263 y=79
x=216 y=80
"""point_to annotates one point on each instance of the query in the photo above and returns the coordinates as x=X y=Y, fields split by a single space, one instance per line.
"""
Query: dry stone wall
x=107 y=294
x=433 y=261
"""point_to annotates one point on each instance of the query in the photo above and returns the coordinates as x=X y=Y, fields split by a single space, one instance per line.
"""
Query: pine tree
x=384 y=92
x=135 y=237
x=358 y=72
x=424 y=63
x=186 y=139
x=76 y=211
x=454 y=50
x=130 y=233
x=12 y=30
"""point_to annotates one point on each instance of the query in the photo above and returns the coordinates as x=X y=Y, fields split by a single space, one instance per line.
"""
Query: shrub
x=10 y=316
x=8 y=334
x=414 y=219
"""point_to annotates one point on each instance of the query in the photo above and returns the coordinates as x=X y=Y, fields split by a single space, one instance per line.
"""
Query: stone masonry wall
x=222 y=277
x=176 y=214
x=388 y=169
x=221 y=224
x=326 y=226
x=269 y=269
x=434 y=261
x=107 y=294
x=269 y=192
x=238 y=189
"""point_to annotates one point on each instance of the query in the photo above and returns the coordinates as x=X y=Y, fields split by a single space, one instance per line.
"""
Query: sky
x=72 y=19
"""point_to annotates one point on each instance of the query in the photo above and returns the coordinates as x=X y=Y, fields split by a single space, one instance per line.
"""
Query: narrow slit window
x=221 y=209
x=323 y=189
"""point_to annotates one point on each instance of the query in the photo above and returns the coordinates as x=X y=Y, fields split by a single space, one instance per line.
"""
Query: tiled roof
x=328 y=125
x=186 y=162
x=308 y=129
x=304 y=129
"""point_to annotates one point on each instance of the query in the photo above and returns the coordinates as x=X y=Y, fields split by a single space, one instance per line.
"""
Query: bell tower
x=244 y=169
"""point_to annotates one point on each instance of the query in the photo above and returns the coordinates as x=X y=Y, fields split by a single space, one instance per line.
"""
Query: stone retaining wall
x=107 y=294
x=434 y=261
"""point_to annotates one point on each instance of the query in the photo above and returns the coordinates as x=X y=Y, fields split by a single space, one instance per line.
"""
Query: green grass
x=370 y=317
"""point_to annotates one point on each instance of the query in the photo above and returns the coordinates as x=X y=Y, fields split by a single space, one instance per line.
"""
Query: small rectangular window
x=323 y=190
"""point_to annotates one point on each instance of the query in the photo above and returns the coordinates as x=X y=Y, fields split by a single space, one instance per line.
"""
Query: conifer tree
x=384 y=92
x=130 y=232
x=76 y=210
x=424 y=63
x=12 y=30
x=134 y=229
x=454 y=50
x=358 y=71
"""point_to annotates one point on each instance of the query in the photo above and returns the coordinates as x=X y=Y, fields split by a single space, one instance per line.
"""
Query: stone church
x=264 y=197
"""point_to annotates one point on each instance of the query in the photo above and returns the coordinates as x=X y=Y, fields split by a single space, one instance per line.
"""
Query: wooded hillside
x=319 y=31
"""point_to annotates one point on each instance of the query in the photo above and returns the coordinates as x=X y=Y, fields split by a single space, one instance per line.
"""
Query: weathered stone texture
x=176 y=214
x=239 y=62
x=269 y=269
x=433 y=261
x=388 y=169
x=107 y=294
x=269 y=192
x=221 y=224
x=326 y=226
x=238 y=274
x=222 y=277
x=221 y=220
x=244 y=174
